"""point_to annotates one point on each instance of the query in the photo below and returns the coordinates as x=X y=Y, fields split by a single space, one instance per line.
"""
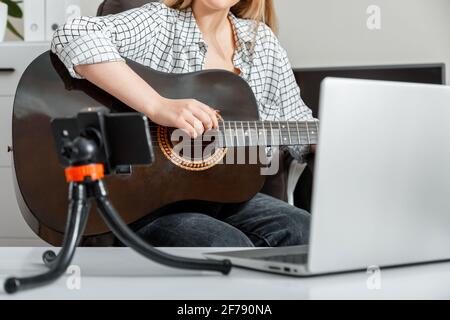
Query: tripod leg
x=130 y=239
x=50 y=257
x=76 y=220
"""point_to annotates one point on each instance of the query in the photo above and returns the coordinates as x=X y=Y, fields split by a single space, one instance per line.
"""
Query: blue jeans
x=260 y=222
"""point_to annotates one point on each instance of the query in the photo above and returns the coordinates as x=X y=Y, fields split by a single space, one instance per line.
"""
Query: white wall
x=334 y=32
x=88 y=7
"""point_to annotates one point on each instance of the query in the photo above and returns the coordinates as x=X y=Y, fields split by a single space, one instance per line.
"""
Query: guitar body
x=47 y=91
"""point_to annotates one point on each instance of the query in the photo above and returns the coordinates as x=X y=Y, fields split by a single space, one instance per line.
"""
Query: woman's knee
x=285 y=225
x=193 y=230
x=296 y=224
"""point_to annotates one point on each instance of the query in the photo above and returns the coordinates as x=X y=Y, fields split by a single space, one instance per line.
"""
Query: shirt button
x=203 y=47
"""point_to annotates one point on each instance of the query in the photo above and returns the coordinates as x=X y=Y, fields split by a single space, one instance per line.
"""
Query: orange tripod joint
x=79 y=173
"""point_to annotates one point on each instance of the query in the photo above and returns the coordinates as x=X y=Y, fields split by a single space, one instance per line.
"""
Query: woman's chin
x=218 y=4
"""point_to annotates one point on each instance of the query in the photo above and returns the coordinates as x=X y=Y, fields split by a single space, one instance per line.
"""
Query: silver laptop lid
x=382 y=183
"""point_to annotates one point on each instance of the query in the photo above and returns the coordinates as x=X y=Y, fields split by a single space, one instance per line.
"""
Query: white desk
x=119 y=273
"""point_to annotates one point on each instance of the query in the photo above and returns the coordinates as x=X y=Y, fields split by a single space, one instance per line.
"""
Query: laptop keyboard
x=287 y=258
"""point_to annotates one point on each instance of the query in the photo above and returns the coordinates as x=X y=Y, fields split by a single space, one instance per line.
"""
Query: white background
x=334 y=33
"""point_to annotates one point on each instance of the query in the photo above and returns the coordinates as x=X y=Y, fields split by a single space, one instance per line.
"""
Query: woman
x=180 y=36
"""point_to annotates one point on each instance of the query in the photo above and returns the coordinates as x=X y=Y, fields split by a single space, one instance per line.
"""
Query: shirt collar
x=192 y=35
x=245 y=36
x=245 y=32
x=190 y=32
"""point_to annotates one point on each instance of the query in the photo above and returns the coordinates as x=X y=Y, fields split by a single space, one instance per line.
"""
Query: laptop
x=381 y=194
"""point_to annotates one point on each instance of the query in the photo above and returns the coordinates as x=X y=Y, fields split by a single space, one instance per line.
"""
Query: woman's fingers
x=196 y=124
x=203 y=116
x=191 y=116
x=211 y=113
x=187 y=128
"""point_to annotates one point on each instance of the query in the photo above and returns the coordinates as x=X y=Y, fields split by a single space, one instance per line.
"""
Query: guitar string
x=240 y=133
x=261 y=125
x=281 y=134
x=245 y=129
x=211 y=137
x=236 y=141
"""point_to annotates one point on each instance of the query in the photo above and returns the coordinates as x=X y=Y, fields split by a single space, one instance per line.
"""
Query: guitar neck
x=268 y=133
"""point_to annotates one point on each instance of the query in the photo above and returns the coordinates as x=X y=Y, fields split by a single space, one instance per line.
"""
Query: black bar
x=7 y=70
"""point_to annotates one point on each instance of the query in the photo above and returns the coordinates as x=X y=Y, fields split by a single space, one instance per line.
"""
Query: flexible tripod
x=86 y=184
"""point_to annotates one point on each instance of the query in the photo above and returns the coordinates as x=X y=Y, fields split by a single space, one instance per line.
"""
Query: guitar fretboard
x=267 y=133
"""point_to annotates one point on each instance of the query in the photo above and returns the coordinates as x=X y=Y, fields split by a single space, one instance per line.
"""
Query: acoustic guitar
x=47 y=91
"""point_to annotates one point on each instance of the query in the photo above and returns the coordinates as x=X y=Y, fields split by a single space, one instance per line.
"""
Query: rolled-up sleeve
x=91 y=40
x=292 y=107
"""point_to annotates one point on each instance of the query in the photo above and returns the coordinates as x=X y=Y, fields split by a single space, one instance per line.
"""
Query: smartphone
x=123 y=139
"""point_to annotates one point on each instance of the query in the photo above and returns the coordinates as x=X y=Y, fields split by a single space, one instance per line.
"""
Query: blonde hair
x=262 y=11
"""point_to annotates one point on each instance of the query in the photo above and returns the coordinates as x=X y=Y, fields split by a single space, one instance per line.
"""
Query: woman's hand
x=189 y=115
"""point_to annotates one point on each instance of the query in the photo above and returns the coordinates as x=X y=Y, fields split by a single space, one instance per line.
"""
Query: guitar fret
x=249 y=133
x=307 y=132
x=281 y=134
x=258 y=140
x=298 y=133
x=223 y=134
x=317 y=131
x=291 y=137
x=244 y=136
x=284 y=137
x=271 y=134
x=231 y=135
x=236 y=133
x=296 y=136
x=264 y=133
x=289 y=132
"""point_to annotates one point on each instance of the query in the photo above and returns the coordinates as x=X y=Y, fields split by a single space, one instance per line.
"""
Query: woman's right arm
x=187 y=114
x=92 y=48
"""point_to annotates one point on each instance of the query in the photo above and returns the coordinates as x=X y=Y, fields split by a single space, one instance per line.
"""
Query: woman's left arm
x=292 y=107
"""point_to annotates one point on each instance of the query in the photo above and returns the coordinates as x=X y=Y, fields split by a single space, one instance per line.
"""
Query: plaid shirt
x=170 y=40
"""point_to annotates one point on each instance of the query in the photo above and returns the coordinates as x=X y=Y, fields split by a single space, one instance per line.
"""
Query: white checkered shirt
x=170 y=40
